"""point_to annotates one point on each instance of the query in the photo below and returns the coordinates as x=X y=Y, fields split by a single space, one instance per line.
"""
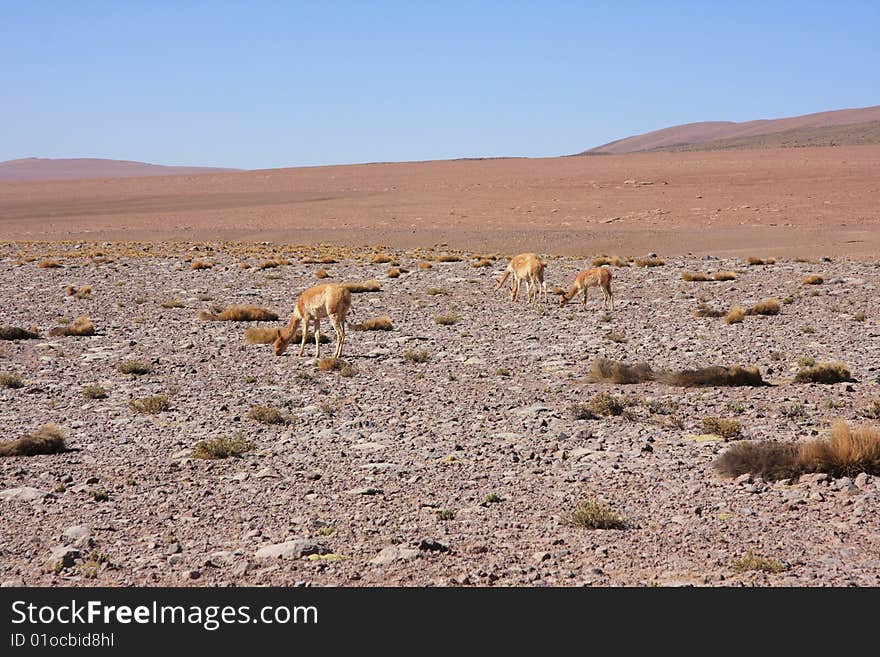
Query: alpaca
x=328 y=300
x=529 y=268
x=599 y=277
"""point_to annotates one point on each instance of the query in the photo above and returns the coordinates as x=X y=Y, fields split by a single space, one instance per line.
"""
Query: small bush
x=445 y=514
x=806 y=361
x=446 y=320
x=16 y=333
x=650 y=262
x=81 y=326
x=365 y=286
x=724 y=276
x=49 y=264
x=727 y=429
x=807 y=329
x=413 y=356
x=383 y=323
x=150 y=405
x=705 y=310
x=492 y=498
x=814 y=279
x=714 y=376
x=221 y=448
x=860 y=317
x=48 y=439
x=824 y=373
x=93 y=391
x=269 y=264
x=606 y=404
x=593 y=514
x=735 y=315
x=788 y=300
x=238 y=314
x=612 y=371
x=201 y=264
x=695 y=277
x=267 y=415
x=766 y=307
x=425 y=265
x=394 y=272
x=134 y=367
x=434 y=291
x=259 y=335
x=321 y=273
x=449 y=258
x=753 y=562
x=11 y=380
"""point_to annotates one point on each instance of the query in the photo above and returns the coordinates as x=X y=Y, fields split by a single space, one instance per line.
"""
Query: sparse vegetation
x=78 y=292
x=616 y=337
x=172 y=303
x=492 y=498
x=394 y=272
x=824 y=373
x=445 y=514
x=93 y=391
x=238 y=314
x=260 y=335
x=602 y=261
x=696 y=277
x=806 y=361
x=502 y=371
x=134 y=367
x=425 y=265
x=201 y=264
x=724 y=276
x=17 y=333
x=151 y=405
x=594 y=514
x=81 y=326
x=735 y=315
x=48 y=439
x=758 y=261
x=814 y=279
x=650 y=262
x=482 y=262
x=807 y=329
x=705 y=310
x=434 y=291
x=383 y=323
x=49 y=264
x=416 y=356
x=267 y=415
x=449 y=258
x=727 y=429
x=321 y=273
x=365 y=286
x=715 y=375
x=766 y=307
x=221 y=447
x=446 y=320
x=788 y=300
x=751 y=561
x=605 y=404
x=11 y=380
x=860 y=316
x=603 y=369
x=381 y=259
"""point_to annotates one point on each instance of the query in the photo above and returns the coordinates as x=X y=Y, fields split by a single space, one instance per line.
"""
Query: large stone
x=78 y=535
x=23 y=494
x=394 y=553
x=291 y=550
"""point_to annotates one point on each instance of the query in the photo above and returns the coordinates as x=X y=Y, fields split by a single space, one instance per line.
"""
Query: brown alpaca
x=599 y=277
x=529 y=268
x=328 y=300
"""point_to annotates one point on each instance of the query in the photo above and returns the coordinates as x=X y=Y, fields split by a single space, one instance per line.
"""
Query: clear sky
x=267 y=84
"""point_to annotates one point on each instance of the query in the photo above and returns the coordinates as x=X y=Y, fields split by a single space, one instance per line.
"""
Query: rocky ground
x=454 y=471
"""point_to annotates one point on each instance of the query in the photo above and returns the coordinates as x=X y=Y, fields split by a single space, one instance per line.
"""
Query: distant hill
x=40 y=168
x=837 y=128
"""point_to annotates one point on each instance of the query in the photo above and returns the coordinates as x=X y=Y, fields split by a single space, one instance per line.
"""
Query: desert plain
x=453 y=448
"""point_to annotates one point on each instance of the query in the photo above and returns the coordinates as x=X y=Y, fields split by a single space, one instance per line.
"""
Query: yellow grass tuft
x=650 y=262
x=81 y=326
x=766 y=307
x=449 y=258
x=49 y=264
x=376 y=324
x=723 y=276
x=150 y=405
x=371 y=285
x=321 y=273
x=814 y=279
x=221 y=448
x=735 y=315
x=716 y=375
x=425 y=265
x=394 y=272
x=602 y=261
x=238 y=314
x=697 y=277
x=612 y=371
x=201 y=264
x=260 y=335
x=593 y=514
x=48 y=439
x=829 y=373
x=381 y=259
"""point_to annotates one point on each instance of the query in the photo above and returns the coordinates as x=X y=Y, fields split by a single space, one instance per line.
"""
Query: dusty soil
x=773 y=202
x=387 y=469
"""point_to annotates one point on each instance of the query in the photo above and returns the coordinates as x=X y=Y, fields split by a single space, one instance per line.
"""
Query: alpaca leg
x=339 y=327
x=585 y=298
x=317 y=338
x=304 y=327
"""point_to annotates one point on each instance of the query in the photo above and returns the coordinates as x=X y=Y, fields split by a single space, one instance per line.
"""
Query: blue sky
x=268 y=84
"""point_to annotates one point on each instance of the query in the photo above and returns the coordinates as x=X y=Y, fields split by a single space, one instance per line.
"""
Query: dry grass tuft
x=394 y=272
x=78 y=292
x=238 y=314
x=447 y=320
x=750 y=561
x=201 y=264
x=695 y=277
x=705 y=310
x=383 y=323
x=49 y=264
x=151 y=405
x=48 y=439
x=606 y=404
x=650 y=262
x=735 y=315
x=269 y=264
x=381 y=259
x=425 y=265
x=593 y=514
x=416 y=356
x=259 y=335
x=612 y=371
x=16 y=333
x=221 y=448
x=815 y=279
x=434 y=291
x=727 y=429
x=824 y=373
x=716 y=375
x=244 y=265
x=81 y=326
x=602 y=261
x=323 y=260
x=267 y=415
x=723 y=276
x=336 y=365
x=371 y=285
x=172 y=303
x=93 y=391
x=482 y=262
x=846 y=453
x=766 y=307
x=321 y=273
x=758 y=261
x=11 y=380
x=449 y=258
x=134 y=367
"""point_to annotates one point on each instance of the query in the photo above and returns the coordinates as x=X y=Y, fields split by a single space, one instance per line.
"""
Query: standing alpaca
x=529 y=268
x=328 y=300
x=598 y=277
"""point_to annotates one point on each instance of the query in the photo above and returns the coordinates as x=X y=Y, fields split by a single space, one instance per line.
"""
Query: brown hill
x=801 y=131
x=40 y=168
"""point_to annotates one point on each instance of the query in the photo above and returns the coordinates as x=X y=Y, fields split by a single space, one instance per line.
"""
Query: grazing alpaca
x=598 y=277
x=529 y=268
x=328 y=300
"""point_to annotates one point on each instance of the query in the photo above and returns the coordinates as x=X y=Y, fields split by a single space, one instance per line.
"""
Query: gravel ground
x=454 y=471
